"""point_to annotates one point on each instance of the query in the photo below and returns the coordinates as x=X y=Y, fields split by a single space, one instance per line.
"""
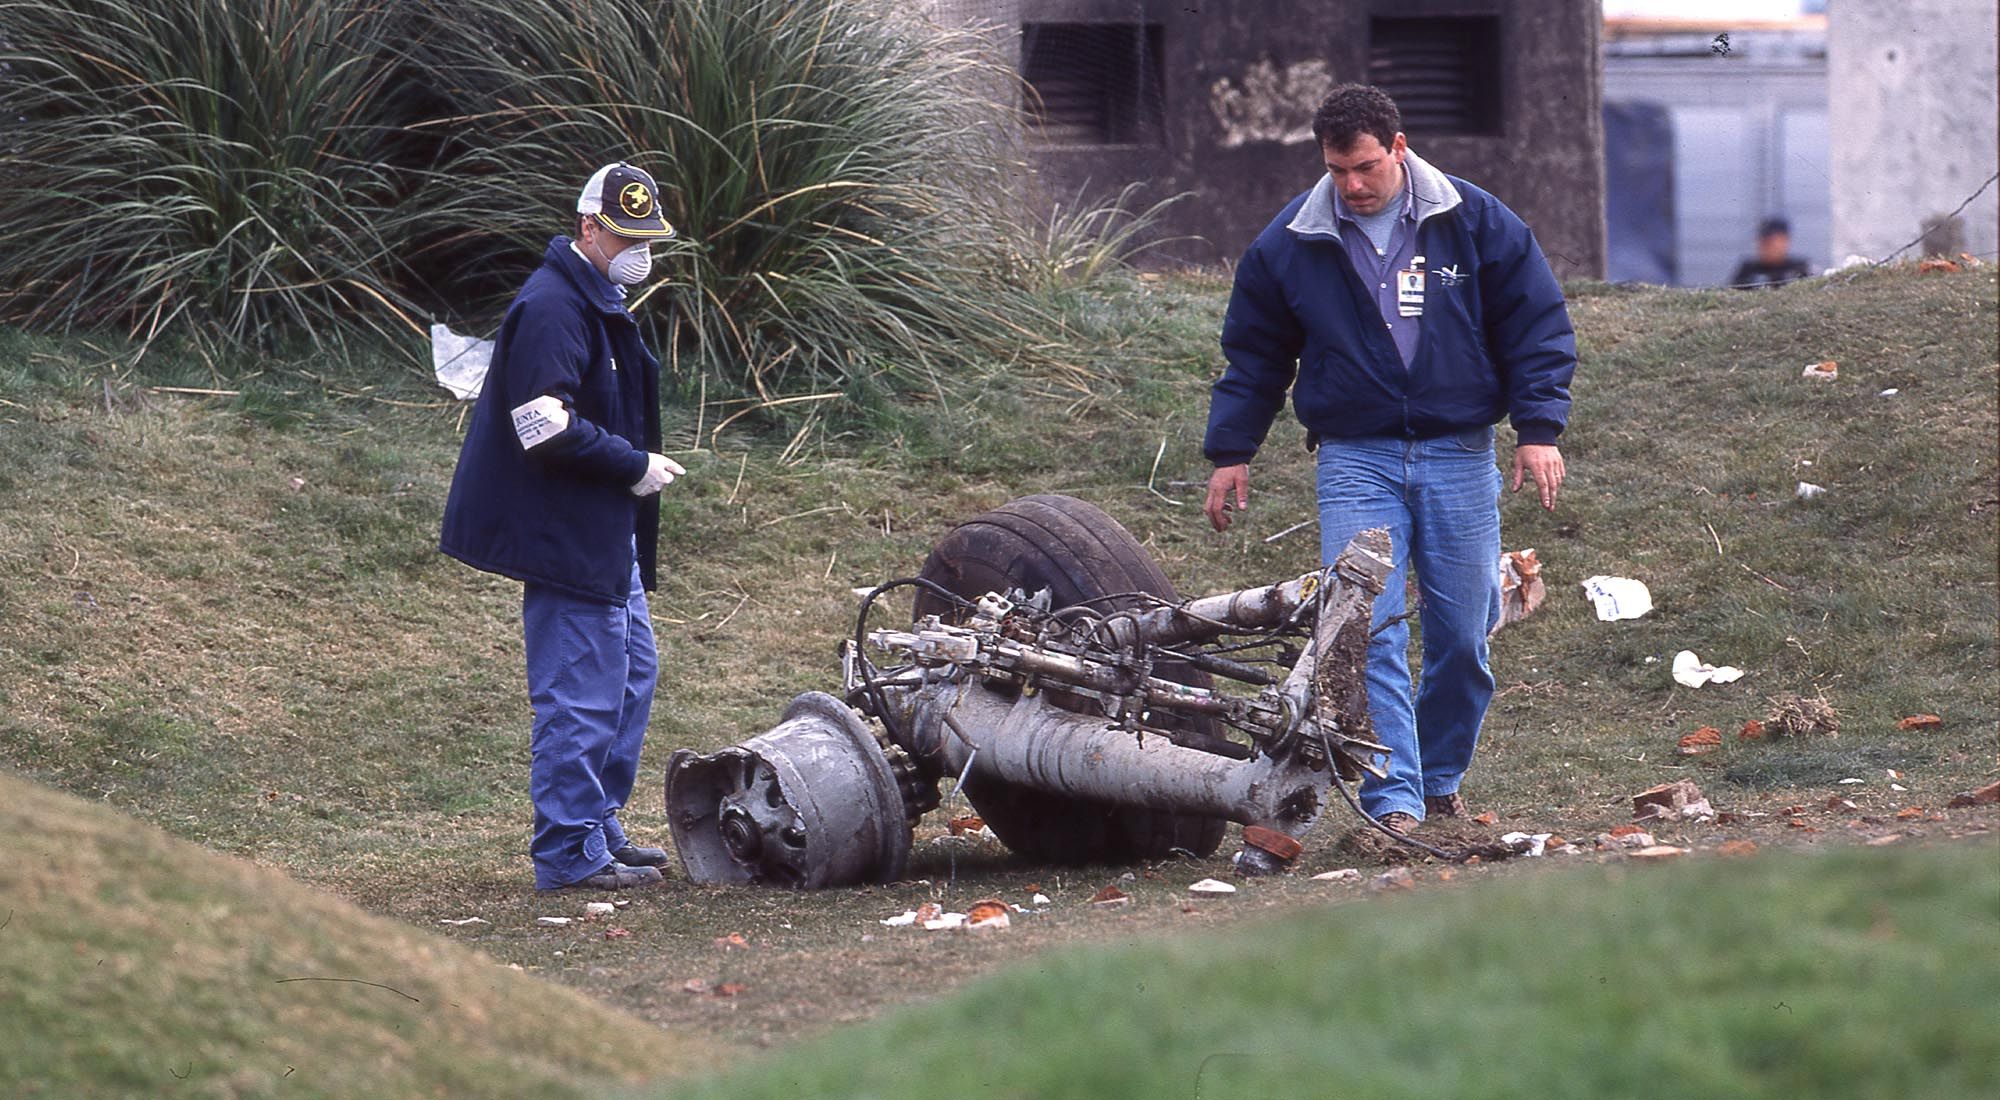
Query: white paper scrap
x=1618 y=597
x=1807 y=490
x=460 y=362
x=1536 y=843
x=1689 y=671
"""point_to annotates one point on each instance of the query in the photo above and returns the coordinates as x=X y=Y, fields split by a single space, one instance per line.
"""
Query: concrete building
x=1216 y=100
x=1712 y=124
x=1914 y=113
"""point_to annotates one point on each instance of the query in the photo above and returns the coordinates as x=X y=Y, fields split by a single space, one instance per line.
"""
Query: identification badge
x=1410 y=289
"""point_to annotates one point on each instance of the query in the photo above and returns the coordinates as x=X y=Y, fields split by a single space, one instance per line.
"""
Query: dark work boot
x=616 y=876
x=632 y=855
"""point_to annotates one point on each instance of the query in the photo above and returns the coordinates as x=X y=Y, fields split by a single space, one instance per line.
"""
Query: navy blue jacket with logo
x=1496 y=338
x=562 y=513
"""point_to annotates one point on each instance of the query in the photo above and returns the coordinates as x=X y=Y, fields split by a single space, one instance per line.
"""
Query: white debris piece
x=460 y=362
x=1345 y=874
x=1689 y=671
x=1851 y=779
x=468 y=920
x=906 y=917
x=1213 y=886
x=949 y=920
x=1040 y=900
x=599 y=908
x=552 y=920
x=1532 y=844
x=1618 y=598
x=1807 y=490
x=1890 y=392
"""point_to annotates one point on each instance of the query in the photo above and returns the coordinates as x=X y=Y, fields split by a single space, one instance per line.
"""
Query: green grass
x=290 y=674
x=1857 y=975
x=136 y=965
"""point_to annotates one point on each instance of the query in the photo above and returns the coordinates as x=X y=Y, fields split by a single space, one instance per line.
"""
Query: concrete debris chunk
x=1807 y=490
x=1615 y=839
x=1345 y=874
x=1680 y=800
x=1111 y=897
x=598 y=908
x=1211 y=886
x=1395 y=878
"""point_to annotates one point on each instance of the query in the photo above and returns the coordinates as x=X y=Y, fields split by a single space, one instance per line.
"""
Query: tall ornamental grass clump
x=841 y=189
x=224 y=167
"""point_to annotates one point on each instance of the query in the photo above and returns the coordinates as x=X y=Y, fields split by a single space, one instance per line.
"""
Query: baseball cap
x=626 y=201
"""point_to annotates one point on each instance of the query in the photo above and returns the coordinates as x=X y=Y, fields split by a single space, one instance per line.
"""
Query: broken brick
x=1920 y=722
x=1984 y=796
x=1705 y=739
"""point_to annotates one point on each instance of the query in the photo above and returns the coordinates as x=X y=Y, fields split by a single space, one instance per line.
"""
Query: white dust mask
x=630 y=267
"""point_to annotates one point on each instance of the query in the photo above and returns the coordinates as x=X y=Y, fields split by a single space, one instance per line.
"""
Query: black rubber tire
x=1074 y=550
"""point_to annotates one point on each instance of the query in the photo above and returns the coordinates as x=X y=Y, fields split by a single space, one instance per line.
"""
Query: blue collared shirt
x=1378 y=269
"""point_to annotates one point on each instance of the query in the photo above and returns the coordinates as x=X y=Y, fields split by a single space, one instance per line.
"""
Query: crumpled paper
x=1690 y=671
x=460 y=362
x=1618 y=597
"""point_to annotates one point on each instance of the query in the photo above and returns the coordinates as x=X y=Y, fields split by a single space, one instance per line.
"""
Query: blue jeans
x=1439 y=498
x=591 y=672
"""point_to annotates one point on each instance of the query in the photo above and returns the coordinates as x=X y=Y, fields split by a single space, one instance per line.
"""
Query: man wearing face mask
x=556 y=487
x=1406 y=311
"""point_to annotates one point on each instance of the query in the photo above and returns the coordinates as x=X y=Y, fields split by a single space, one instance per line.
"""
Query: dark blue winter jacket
x=561 y=512
x=1496 y=337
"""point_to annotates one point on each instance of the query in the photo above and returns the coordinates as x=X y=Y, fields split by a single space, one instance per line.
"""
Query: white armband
x=539 y=421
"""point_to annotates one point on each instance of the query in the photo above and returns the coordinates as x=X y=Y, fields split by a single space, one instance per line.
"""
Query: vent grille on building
x=1093 y=83
x=1443 y=73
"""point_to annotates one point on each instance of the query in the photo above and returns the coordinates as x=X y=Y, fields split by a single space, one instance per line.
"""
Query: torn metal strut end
x=1052 y=671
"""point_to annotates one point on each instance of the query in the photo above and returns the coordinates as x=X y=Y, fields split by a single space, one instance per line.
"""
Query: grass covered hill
x=224 y=615
x=134 y=964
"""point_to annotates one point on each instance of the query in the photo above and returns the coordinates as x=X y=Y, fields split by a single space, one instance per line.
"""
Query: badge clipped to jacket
x=1410 y=289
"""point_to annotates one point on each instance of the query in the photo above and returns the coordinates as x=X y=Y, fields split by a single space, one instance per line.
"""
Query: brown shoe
x=1446 y=805
x=1398 y=822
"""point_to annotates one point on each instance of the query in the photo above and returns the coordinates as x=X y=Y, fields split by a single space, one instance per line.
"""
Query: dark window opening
x=1443 y=73
x=1094 y=83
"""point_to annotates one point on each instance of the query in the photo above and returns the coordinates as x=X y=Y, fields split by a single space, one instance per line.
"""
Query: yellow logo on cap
x=635 y=200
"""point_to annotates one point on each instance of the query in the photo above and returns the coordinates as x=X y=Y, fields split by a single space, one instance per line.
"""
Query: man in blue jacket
x=556 y=487
x=1406 y=311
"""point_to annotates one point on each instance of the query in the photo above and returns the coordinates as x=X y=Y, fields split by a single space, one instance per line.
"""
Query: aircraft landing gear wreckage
x=1052 y=671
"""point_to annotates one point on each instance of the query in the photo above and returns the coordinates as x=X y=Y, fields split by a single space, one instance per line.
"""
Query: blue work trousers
x=591 y=672
x=1439 y=499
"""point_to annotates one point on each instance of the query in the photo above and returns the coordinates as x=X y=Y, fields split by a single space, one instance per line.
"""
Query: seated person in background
x=1774 y=262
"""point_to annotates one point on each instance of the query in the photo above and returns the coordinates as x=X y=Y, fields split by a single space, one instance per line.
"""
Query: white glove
x=660 y=473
